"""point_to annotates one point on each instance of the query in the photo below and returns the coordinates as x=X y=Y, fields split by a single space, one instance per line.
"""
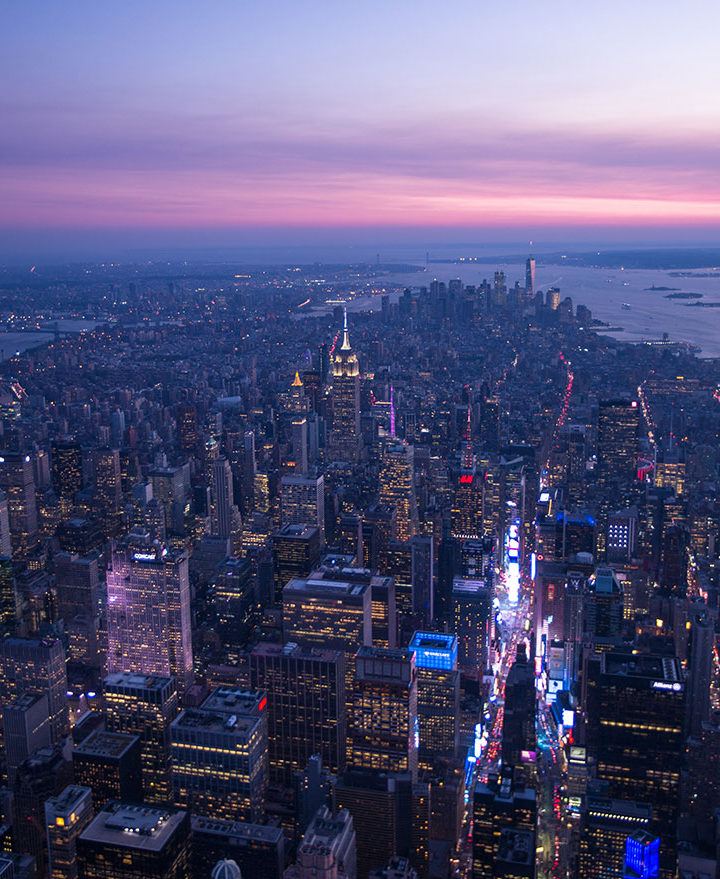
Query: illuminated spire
x=467 y=461
x=392 y=411
x=297 y=381
x=346 y=337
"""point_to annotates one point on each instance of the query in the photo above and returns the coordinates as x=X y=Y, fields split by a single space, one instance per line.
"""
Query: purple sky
x=244 y=121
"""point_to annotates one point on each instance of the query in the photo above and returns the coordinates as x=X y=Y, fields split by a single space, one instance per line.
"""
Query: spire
x=297 y=381
x=346 y=338
x=467 y=460
x=392 y=411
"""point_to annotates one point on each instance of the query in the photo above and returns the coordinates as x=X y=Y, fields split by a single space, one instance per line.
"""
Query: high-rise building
x=699 y=678
x=618 y=423
x=17 y=480
x=66 y=816
x=302 y=500
x=186 y=417
x=235 y=603
x=332 y=614
x=224 y=516
x=518 y=736
x=603 y=608
x=110 y=764
x=258 y=849
x=148 y=616
x=36 y=665
x=26 y=729
x=306 y=705
x=296 y=551
x=503 y=804
x=422 y=573
x=383 y=722
x=345 y=434
x=621 y=537
x=220 y=755
x=5 y=540
x=128 y=841
x=145 y=706
x=642 y=856
x=299 y=431
x=397 y=487
x=10 y=600
x=108 y=479
x=438 y=699
x=530 y=277
x=67 y=469
x=636 y=716
x=605 y=826
x=327 y=849
x=473 y=624
x=77 y=596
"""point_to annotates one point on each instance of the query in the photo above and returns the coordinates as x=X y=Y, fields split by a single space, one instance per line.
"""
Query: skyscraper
x=220 y=755
x=327 y=849
x=473 y=624
x=67 y=469
x=148 y=617
x=345 y=434
x=383 y=722
x=618 y=423
x=397 y=487
x=223 y=511
x=110 y=764
x=145 y=706
x=128 y=841
x=530 y=277
x=438 y=687
x=17 y=480
x=306 y=705
x=302 y=500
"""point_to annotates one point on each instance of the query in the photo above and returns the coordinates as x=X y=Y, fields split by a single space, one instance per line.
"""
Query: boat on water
x=626 y=306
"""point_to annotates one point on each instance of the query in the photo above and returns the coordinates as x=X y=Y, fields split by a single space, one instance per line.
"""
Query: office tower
x=80 y=536
x=673 y=560
x=26 y=729
x=327 y=849
x=299 y=431
x=476 y=559
x=296 y=551
x=382 y=806
x=345 y=434
x=574 y=533
x=552 y=298
x=235 y=603
x=306 y=706
x=503 y=804
x=36 y=665
x=302 y=501
x=110 y=764
x=530 y=277
x=605 y=827
x=621 y=538
x=108 y=479
x=77 y=595
x=258 y=849
x=473 y=624
x=618 y=423
x=43 y=775
x=383 y=721
x=699 y=678
x=67 y=469
x=670 y=469
x=332 y=614
x=384 y=611
x=5 y=540
x=148 y=616
x=466 y=513
x=17 y=480
x=10 y=601
x=422 y=561
x=145 y=706
x=170 y=488
x=66 y=816
x=186 y=417
x=438 y=695
x=223 y=521
x=349 y=537
x=128 y=841
x=297 y=401
x=603 y=607
x=518 y=736
x=636 y=714
x=642 y=856
x=220 y=755
x=117 y=427
x=397 y=487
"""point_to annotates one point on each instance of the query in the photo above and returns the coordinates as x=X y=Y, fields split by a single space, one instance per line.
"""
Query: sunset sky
x=164 y=120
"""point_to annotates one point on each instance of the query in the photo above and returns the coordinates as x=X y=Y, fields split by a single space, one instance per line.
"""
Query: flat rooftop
x=234 y=700
x=326 y=588
x=237 y=830
x=137 y=681
x=110 y=745
x=136 y=827
x=644 y=666
x=211 y=721
x=296 y=651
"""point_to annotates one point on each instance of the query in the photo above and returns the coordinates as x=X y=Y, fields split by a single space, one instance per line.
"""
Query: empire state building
x=345 y=434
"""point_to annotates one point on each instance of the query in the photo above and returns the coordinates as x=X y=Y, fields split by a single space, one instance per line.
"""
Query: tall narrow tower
x=345 y=435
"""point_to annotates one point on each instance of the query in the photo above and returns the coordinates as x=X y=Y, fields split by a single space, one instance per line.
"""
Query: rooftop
x=136 y=827
x=238 y=830
x=105 y=744
x=326 y=588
